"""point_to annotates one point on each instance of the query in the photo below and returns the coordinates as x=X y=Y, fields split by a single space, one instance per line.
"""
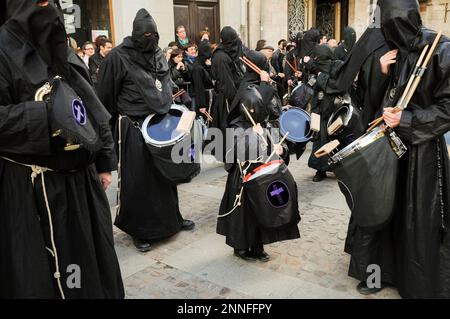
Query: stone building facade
x=254 y=19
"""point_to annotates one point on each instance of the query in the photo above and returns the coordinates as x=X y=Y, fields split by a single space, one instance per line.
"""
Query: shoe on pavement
x=187 y=225
x=142 y=246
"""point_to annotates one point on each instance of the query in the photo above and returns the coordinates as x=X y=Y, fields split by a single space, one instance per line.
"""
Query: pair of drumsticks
x=253 y=66
x=269 y=136
x=414 y=80
x=180 y=93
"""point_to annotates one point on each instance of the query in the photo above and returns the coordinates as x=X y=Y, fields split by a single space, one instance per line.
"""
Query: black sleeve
x=224 y=76
x=107 y=159
x=24 y=127
x=430 y=121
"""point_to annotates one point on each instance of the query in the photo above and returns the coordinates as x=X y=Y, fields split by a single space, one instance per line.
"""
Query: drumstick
x=254 y=67
x=275 y=151
x=400 y=104
x=411 y=80
x=416 y=79
x=253 y=121
x=208 y=116
x=178 y=94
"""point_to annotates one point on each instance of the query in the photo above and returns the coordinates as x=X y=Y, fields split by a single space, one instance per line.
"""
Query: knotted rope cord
x=37 y=171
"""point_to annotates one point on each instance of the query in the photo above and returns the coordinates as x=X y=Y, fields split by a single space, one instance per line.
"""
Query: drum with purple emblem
x=271 y=193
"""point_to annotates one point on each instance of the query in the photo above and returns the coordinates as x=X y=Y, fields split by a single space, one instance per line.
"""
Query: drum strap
x=119 y=166
x=441 y=190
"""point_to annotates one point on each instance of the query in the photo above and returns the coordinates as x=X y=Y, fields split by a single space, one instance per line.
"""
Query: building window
x=296 y=17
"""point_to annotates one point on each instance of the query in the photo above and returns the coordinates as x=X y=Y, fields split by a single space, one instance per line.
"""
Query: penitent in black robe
x=81 y=216
x=228 y=73
x=414 y=249
x=149 y=207
x=241 y=228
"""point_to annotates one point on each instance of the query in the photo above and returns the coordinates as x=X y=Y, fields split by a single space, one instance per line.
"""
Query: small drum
x=271 y=192
x=351 y=127
x=161 y=136
x=298 y=123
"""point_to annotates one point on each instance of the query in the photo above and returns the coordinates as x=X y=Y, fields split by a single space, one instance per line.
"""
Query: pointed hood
x=401 y=23
x=145 y=34
x=230 y=43
x=43 y=27
x=349 y=38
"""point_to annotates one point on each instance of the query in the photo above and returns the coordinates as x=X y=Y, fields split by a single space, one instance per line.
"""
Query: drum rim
x=347 y=119
x=307 y=137
x=256 y=170
x=159 y=144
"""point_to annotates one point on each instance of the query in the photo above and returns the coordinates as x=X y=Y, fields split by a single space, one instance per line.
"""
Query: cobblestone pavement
x=198 y=264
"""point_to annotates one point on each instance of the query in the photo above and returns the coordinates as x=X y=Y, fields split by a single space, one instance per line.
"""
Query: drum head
x=161 y=129
x=263 y=170
x=298 y=123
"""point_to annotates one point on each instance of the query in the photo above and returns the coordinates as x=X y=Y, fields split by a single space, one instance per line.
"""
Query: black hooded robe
x=81 y=217
x=149 y=207
x=362 y=68
x=202 y=82
x=344 y=49
x=227 y=70
x=322 y=104
x=414 y=249
x=241 y=228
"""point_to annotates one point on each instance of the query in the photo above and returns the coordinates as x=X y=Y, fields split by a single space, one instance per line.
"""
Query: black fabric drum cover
x=71 y=118
x=368 y=179
x=301 y=96
x=273 y=198
x=185 y=172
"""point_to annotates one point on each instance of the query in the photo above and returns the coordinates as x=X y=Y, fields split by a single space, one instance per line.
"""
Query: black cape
x=81 y=213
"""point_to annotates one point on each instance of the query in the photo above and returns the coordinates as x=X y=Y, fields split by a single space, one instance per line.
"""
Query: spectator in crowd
x=332 y=43
x=180 y=75
x=323 y=39
x=89 y=51
x=182 y=38
x=104 y=47
x=260 y=45
x=205 y=35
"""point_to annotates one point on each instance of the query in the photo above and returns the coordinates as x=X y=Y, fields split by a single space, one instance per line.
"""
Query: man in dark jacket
x=54 y=214
x=104 y=47
x=134 y=83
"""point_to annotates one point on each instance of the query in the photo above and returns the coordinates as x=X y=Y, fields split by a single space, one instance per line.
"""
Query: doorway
x=198 y=15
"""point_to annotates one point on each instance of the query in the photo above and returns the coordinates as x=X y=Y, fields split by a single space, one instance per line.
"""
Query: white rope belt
x=35 y=172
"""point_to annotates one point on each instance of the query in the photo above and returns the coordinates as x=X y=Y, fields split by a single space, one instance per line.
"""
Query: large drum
x=176 y=154
x=367 y=173
x=351 y=128
x=271 y=192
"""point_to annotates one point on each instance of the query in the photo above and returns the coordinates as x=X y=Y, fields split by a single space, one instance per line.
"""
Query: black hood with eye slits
x=401 y=23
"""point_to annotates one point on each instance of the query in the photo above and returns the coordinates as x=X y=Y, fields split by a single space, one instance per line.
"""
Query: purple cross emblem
x=79 y=112
x=278 y=194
